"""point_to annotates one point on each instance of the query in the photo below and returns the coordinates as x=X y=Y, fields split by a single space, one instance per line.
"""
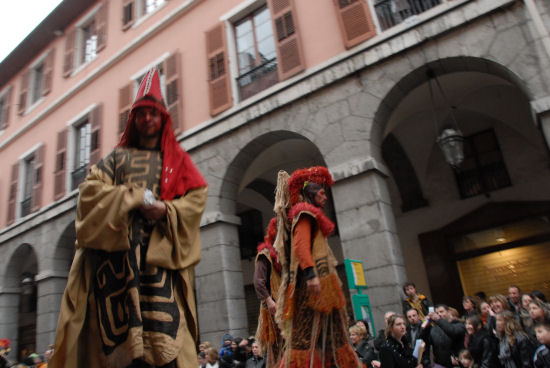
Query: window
x=256 y=54
x=132 y=9
x=83 y=143
x=483 y=169
x=36 y=82
x=5 y=102
x=151 y=5
x=28 y=180
x=88 y=43
x=86 y=39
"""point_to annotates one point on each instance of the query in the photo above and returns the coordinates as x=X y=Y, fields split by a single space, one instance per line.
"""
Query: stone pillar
x=368 y=232
x=219 y=280
x=9 y=314
x=49 y=295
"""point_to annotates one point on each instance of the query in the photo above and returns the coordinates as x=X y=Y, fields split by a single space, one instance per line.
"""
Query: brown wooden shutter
x=101 y=26
x=355 y=21
x=124 y=105
x=37 y=180
x=68 y=60
x=6 y=107
x=24 y=92
x=290 y=58
x=218 y=71
x=60 y=164
x=128 y=13
x=48 y=73
x=174 y=100
x=96 y=119
x=12 y=199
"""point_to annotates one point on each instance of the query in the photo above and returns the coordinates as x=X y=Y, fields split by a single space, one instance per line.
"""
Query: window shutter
x=6 y=113
x=13 y=193
x=174 y=100
x=68 y=61
x=124 y=105
x=128 y=13
x=96 y=117
x=60 y=164
x=36 y=200
x=219 y=87
x=48 y=73
x=101 y=26
x=355 y=21
x=290 y=58
x=23 y=93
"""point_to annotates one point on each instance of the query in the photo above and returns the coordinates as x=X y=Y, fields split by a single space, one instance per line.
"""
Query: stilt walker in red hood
x=129 y=299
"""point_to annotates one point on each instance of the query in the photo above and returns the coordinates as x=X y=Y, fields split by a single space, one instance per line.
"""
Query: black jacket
x=484 y=349
x=521 y=353
x=365 y=352
x=542 y=357
x=424 y=335
x=254 y=362
x=446 y=339
x=393 y=354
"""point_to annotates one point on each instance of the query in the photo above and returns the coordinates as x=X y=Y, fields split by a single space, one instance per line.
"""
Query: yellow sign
x=358 y=274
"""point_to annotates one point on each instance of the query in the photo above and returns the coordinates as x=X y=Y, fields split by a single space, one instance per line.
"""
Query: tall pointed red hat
x=179 y=174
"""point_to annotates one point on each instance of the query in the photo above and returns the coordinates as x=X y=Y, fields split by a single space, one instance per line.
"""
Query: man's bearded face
x=148 y=122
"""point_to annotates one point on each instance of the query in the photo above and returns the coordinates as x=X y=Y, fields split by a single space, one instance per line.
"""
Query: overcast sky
x=18 y=18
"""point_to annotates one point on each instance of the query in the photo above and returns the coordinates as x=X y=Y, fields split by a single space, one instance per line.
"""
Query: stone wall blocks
x=219 y=258
x=363 y=104
x=377 y=250
x=345 y=152
x=219 y=286
x=355 y=128
x=504 y=49
x=371 y=186
x=330 y=138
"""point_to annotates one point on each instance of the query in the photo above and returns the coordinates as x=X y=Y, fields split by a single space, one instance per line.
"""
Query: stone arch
x=65 y=249
x=441 y=67
x=19 y=304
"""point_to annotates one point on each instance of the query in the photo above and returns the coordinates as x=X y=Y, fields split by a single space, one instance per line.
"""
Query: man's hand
x=314 y=285
x=433 y=316
x=156 y=211
x=271 y=305
x=376 y=364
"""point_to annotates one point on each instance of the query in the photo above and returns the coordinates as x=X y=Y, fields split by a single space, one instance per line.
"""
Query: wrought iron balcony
x=258 y=79
x=393 y=12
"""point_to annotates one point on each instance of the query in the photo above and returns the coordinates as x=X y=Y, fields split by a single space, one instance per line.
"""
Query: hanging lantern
x=451 y=142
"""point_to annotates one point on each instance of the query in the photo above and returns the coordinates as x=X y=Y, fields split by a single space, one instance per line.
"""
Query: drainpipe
x=539 y=25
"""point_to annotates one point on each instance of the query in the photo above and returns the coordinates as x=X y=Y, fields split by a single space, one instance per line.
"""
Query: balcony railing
x=393 y=12
x=258 y=79
x=78 y=176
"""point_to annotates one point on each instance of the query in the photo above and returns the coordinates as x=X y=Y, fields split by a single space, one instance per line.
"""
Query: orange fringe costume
x=314 y=326
x=268 y=334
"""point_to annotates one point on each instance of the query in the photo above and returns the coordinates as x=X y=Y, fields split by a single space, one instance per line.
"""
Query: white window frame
x=21 y=179
x=140 y=14
x=79 y=46
x=3 y=96
x=70 y=153
x=229 y=19
x=135 y=77
x=40 y=61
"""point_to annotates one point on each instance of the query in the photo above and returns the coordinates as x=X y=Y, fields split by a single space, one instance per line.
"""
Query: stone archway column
x=50 y=288
x=368 y=232
x=9 y=313
x=219 y=285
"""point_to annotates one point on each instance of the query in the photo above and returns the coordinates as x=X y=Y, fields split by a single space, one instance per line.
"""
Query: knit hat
x=179 y=174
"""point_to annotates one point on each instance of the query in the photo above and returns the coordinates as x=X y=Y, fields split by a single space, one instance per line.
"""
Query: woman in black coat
x=363 y=346
x=395 y=352
x=481 y=344
x=515 y=348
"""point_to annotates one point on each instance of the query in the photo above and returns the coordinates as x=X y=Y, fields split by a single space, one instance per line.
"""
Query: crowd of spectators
x=497 y=332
